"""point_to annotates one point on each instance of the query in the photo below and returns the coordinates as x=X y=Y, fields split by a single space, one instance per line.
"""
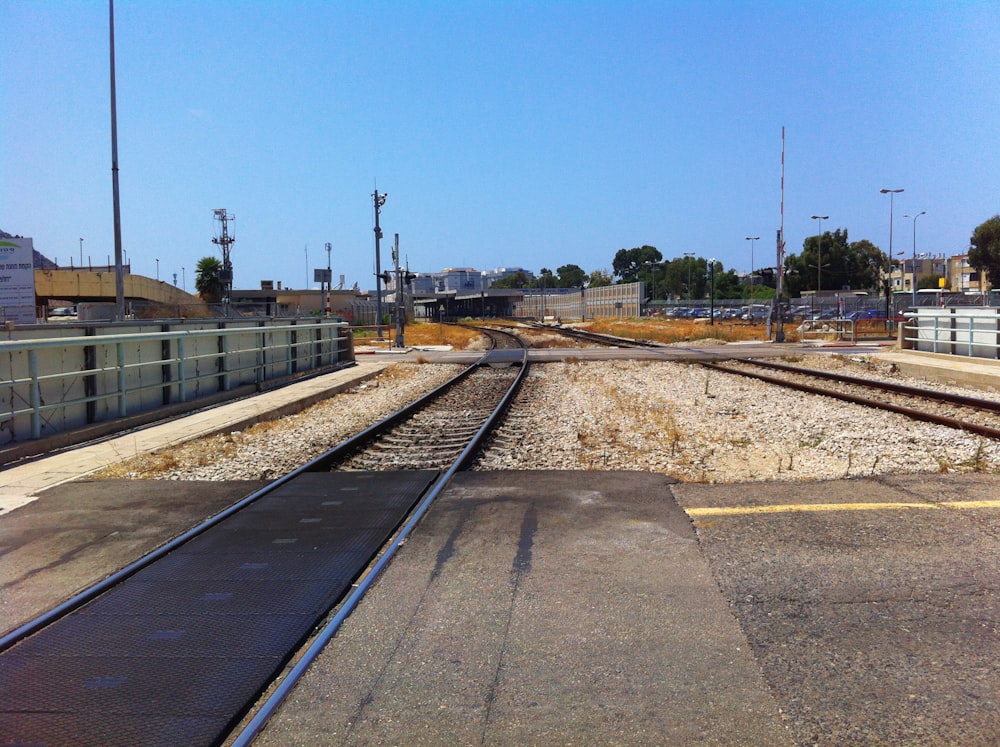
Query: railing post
x=120 y=355
x=223 y=361
x=181 y=370
x=35 y=395
x=90 y=380
x=165 y=369
x=291 y=364
x=261 y=354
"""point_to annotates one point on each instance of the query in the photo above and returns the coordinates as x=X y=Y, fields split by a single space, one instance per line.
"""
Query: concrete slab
x=540 y=608
x=872 y=605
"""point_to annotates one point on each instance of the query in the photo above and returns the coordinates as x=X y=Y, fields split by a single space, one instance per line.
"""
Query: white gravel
x=666 y=417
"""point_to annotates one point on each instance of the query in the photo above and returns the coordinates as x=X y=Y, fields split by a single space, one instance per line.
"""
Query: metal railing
x=59 y=383
x=966 y=331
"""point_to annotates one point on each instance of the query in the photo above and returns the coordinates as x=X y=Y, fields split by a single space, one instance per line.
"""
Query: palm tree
x=207 y=280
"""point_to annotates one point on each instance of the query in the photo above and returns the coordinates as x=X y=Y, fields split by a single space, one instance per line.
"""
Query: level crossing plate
x=177 y=652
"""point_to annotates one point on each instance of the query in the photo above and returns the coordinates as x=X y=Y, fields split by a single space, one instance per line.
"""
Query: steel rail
x=955 y=399
x=909 y=412
x=597 y=337
x=267 y=708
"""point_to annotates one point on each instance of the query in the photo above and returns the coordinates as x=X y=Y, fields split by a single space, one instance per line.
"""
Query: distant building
x=459 y=280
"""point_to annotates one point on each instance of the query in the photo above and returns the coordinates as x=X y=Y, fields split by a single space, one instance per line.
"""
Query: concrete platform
x=537 y=608
x=977 y=373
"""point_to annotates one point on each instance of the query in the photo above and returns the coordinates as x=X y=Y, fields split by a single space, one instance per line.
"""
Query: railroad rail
x=180 y=646
x=905 y=400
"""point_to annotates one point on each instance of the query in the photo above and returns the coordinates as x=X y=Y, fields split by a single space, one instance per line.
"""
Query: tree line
x=828 y=261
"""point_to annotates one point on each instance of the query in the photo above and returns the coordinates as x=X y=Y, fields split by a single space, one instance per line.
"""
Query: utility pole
x=400 y=310
x=379 y=202
x=779 y=314
x=119 y=272
x=225 y=241
x=329 y=279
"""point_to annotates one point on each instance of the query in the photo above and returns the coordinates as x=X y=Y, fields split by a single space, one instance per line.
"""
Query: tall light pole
x=819 y=250
x=892 y=196
x=688 y=256
x=81 y=252
x=711 y=296
x=913 y=269
x=157 y=269
x=379 y=202
x=115 y=199
x=751 y=239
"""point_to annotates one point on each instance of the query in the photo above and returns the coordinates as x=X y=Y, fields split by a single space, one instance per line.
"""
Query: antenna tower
x=225 y=241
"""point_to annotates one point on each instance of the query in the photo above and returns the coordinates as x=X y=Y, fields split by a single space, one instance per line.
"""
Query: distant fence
x=623 y=300
x=53 y=381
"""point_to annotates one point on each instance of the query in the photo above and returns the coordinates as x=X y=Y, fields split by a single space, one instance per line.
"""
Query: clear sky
x=531 y=134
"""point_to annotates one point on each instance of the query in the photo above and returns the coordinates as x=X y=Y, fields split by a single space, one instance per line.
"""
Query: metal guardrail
x=966 y=331
x=59 y=383
x=840 y=329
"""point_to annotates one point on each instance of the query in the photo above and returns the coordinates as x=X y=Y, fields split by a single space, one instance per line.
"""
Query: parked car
x=63 y=313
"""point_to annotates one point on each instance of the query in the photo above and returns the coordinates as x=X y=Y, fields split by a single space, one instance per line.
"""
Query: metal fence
x=966 y=331
x=52 y=383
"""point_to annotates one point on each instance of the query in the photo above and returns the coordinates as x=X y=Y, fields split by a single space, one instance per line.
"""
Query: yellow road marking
x=812 y=507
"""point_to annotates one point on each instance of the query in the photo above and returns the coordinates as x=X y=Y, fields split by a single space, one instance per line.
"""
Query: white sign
x=17 y=280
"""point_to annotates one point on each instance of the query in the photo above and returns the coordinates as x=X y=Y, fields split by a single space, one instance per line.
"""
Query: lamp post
x=751 y=239
x=711 y=296
x=688 y=256
x=913 y=269
x=892 y=195
x=652 y=268
x=157 y=269
x=819 y=249
x=81 y=252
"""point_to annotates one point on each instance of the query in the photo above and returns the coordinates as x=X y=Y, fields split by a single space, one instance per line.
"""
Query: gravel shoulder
x=665 y=417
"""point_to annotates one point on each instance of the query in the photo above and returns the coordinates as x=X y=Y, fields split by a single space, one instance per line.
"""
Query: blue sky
x=531 y=134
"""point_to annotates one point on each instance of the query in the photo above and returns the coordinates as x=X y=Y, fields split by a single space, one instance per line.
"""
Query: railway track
x=970 y=414
x=198 y=642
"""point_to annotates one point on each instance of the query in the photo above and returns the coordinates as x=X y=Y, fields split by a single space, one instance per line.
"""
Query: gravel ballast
x=673 y=418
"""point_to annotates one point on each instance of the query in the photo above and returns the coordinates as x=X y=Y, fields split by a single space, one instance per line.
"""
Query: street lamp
x=652 y=269
x=157 y=269
x=711 y=297
x=819 y=249
x=892 y=195
x=751 y=239
x=688 y=256
x=913 y=269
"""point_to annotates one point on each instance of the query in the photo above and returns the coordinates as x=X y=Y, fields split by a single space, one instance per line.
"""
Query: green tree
x=514 y=280
x=842 y=265
x=544 y=279
x=685 y=277
x=629 y=262
x=599 y=279
x=571 y=276
x=207 y=279
x=984 y=249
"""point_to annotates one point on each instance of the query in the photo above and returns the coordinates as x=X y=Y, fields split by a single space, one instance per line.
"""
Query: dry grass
x=428 y=333
x=683 y=330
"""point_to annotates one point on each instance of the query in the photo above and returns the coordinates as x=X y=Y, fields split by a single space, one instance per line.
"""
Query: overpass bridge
x=99 y=286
